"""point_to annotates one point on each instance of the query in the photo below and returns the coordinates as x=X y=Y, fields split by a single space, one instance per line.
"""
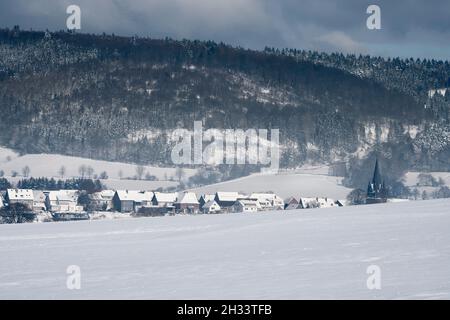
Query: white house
x=187 y=203
x=63 y=201
x=226 y=200
x=103 y=200
x=205 y=198
x=39 y=200
x=309 y=203
x=23 y=196
x=326 y=203
x=246 y=206
x=211 y=207
x=269 y=201
x=161 y=199
x=132 y=200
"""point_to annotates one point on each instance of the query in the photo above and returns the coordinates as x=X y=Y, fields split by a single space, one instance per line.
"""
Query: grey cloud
x=409 y=27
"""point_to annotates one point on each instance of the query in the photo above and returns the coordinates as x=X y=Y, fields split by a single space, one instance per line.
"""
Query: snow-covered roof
x=20 y=194
x=210 y=203
x=63 y=195
x=265 y=196
x=207 y=197
x=38 y=196
x=187 y=197
x=326 y=202
x=227 y=196
x=440 y=91
x=305 y=201
x=321 y=202
x=291 y=199
x=107 y=193
x=133 y=195
x=248 y=203
x=103 y=195
x=165 y=197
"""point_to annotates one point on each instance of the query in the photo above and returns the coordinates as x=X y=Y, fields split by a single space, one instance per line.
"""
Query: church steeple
x=376 y=190
x=376 y=180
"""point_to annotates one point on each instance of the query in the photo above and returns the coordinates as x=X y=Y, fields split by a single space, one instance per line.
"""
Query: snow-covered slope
x=48 y=165
x=411 y=178
x=319 y=253
x=300 y=184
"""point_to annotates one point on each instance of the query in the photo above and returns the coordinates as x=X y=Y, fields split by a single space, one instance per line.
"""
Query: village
x=64 y=205
x=29 y=205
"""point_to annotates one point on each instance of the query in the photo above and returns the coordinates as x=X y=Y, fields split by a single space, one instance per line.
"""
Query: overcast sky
x=416 y=28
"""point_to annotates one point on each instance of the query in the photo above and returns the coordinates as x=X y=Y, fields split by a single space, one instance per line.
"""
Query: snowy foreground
x=320 y=253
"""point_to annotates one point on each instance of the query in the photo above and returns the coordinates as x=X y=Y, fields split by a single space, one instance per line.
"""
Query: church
x=376 y=190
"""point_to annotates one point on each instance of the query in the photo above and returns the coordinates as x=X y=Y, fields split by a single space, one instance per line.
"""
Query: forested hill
x=117 y=98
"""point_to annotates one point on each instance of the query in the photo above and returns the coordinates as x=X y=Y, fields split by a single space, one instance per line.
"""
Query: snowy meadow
x=385 y=251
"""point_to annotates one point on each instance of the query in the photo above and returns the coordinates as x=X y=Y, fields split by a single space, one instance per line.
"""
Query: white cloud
x=342 y=42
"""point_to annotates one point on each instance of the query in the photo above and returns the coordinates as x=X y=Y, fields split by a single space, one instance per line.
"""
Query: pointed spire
x=376 y=180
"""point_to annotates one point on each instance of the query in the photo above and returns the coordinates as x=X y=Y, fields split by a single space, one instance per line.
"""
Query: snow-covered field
x=318 y=253
x=411 y=178
x=308 y=181
x=303 y=183
x=48 y=165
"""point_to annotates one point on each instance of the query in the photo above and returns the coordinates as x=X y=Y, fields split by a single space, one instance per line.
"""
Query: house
x=23 y=196
x=246 y=205
x=226 y=200
x=290 y=203
x=307 y=203
x=340 y=203
x=211 y=207
x=39 y=198
x=166 y=200
x=440 y=91
x=187 y=203
x=326 y=203
x=310 y=203
x=131 y=200
x=268 y=201
x=205 y=198
x=103 y=200
x=63 y=201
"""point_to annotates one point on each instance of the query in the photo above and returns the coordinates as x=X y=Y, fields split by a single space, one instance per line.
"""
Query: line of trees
x=51 y=184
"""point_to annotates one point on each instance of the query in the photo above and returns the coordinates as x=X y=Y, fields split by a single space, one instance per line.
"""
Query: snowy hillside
x=319 y=253
x=303 y=183
x=48 y=165
x=411 y=178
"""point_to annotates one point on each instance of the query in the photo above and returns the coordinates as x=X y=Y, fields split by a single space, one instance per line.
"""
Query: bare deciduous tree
x=82 y=170
x=62 y=171
x=26 y=171
x=90 y=171
x=103 y=175
x=140 y=172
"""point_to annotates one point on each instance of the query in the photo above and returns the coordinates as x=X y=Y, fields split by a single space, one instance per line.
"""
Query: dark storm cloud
x=409 y=27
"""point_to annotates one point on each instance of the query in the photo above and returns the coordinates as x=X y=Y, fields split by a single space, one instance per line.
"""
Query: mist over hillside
x=119 y=99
